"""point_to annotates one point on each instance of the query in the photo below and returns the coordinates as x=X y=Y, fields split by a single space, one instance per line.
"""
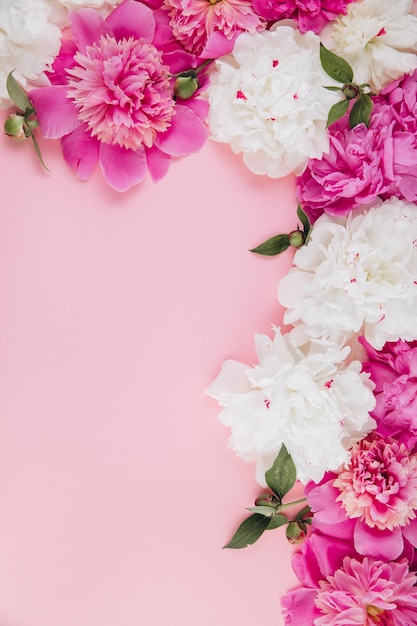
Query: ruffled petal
x=186 y=135
x=57 y=115
x=158 y=163
x=81 y=151
x=87 y=26
x=218 y=45
x=132 y=19
x=122 y=168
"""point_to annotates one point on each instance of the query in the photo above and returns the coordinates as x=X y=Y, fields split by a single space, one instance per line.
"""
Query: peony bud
x=350 y=91
x=296 y=238
x=295 y=532
x=186 y=85
x=15 y=126
x=268 y=500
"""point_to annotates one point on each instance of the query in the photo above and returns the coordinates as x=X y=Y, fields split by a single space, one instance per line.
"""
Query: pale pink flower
x=366 y=593
x=209 y=28
x=382 y=523
x=310 y=14
x=112 y=98
x=379 y=484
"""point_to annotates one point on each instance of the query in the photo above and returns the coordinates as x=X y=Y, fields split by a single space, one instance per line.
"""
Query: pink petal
x=65 y=60
x=322 y=500
x=199 y=106
x=187 y=133
x=122 y=168
x=87 y=26
x=178 y=60
x=56 y=114
x=81 y=151
x=299 y=608
x=381 y=544
x=132 y=19
x=410 y=532
x=217 y=45
x=158 y=163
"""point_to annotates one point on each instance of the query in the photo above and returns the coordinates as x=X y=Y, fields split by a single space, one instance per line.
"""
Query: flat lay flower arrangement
x=325 y=90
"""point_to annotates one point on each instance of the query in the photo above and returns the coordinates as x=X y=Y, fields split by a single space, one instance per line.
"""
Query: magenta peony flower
x=112 y=98
x=366 y=593
x=372 y=501
x=394 y=372
x=208 y=28
x=341 y=587
x=310 y=14
x=358 y=168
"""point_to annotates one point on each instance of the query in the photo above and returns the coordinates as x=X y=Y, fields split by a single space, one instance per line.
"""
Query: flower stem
x=288 y=504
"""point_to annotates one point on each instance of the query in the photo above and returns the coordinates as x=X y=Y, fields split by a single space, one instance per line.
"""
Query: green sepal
x=273 y=246
x=306 y=511
x=282 y=475
x=337 y=111
x=276 y=521
x=305 y=222
x=18 y=95
x=361 y=111
x=335 y=66
x=249 y=531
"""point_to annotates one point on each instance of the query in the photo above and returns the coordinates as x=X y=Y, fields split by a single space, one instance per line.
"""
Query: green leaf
x=332 y=88
x=335 y=66
x=273 y=246
x=249 y=531
x=282 y=475
x=17 y=94
x=361 y=111
x=276 y=521
x=337 y=111
x=267 y=511
x=303 y=217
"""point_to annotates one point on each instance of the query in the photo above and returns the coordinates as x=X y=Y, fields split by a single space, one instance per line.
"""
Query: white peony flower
x=357 y=274
x=378 y=38
x=28 y=43
x=307 y=398
x=267 y=100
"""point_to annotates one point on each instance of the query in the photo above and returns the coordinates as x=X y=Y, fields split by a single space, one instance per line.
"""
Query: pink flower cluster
x=360 y=562
x=310 y=14
x=366 y=163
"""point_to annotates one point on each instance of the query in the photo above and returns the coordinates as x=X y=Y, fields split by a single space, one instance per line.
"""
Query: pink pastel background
x=117 y=489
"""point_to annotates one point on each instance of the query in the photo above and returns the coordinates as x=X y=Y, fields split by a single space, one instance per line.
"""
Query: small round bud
x=268 y=500
x=295 y=533
x=350 y=91
x=15 y=126
x=185 y=86
x=296 y=238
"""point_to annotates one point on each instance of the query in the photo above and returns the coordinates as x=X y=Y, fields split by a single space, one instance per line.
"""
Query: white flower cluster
x=267 y=100
x=29 y=43
x=357 y=274
x=306 y=397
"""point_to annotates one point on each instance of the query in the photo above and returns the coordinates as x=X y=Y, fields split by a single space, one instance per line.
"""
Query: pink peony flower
x=366 y=593
x=379 y=484
x=209 y=28
x=310 y=14
x=358 y=168
x=111 y=100
x=372 y=501
x=394 y=372
x=341 y=587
